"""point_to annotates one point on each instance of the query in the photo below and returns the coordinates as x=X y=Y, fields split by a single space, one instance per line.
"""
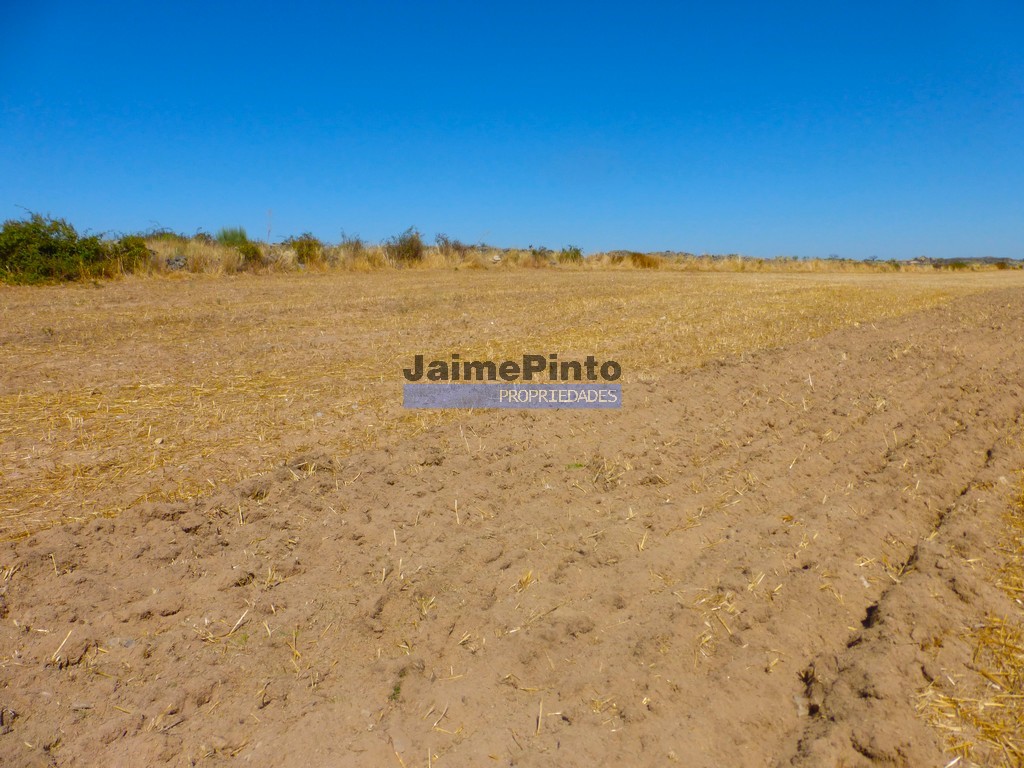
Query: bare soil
x=760 y=561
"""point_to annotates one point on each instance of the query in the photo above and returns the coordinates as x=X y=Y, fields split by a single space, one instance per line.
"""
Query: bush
x=43 y=249
x=130 y=253
x=450 y=247
x=235 y=237
x=165 y=235
x=353 y=253
x=570 y=255
x=232 y=236
x=352 y=246
x=252 y=256
x=308 y=250
x=406 y=248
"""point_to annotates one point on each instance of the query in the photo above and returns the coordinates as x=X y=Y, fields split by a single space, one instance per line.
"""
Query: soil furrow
x=868 y=690
x=749 y=565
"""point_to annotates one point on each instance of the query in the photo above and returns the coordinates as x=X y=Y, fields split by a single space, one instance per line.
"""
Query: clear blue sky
x=794 y=128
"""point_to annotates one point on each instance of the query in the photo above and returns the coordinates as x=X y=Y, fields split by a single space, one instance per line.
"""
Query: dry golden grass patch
x=166 y=388
x=198 y=255
x=982 y=713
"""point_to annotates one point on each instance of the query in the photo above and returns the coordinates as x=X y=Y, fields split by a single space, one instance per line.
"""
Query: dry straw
x=154 y=389
x=981 y=712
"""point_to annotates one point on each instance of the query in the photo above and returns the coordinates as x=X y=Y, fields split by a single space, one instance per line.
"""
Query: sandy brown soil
x=759 y=562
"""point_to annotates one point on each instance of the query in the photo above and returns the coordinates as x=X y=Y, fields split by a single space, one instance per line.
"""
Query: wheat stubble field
x=798 y=543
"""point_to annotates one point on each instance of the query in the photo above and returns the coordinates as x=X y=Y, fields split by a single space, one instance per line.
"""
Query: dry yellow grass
x=207 y=256
x=166 y=388
x=982 y=712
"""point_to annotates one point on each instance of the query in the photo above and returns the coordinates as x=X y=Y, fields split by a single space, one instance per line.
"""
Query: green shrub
x=165 y=235
x=308 y=250
x=43 y=249
x=232 y=236
x=236 y=237
x=252 y=256
x=129 y=253
x=406 y=248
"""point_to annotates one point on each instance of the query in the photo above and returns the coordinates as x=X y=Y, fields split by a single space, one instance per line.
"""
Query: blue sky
x=793 y=128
